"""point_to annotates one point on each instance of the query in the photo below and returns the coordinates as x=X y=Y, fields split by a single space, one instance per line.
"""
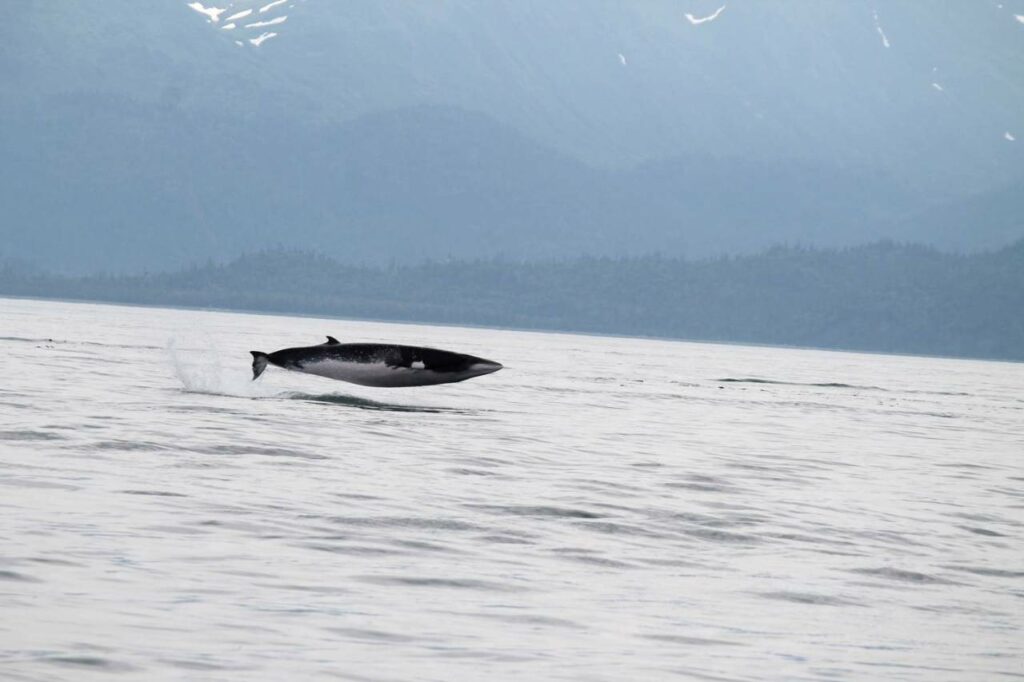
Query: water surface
x=602 y=509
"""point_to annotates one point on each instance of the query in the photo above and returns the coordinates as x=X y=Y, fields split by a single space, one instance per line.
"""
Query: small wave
x=835 y=384
x=807 y=598
x=519 y=510
x=903 y=576
x=505 y=540
x=155 y=493
x=27 y=435
x=991 y=572
x=22 y=339
x=94 y=662
x=722 y=536
x=243 y=449
x=404 y=522
x=451 y=583
x=373 y=635
x=353 y=550
x=773 y=382
x=691 y=641
x=529 y=619
x=590 y=560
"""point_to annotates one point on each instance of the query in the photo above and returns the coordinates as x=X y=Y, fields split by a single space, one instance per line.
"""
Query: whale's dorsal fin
x=331 y=341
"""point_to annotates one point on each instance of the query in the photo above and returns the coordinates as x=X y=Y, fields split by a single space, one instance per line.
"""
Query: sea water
x=601 y=509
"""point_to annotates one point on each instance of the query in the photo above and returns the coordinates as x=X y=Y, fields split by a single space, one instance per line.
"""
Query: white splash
x=697 y=21
x=262 y=38
x=622 y=59
x=212 y=12
x=1010 y=137
x=228 y=27
x=272 y=5
x=269 y=22
x=881 y=31
x=200 y=368
x=1019 y=17
x=938 y=87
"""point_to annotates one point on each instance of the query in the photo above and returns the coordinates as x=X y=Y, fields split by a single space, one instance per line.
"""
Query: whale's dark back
x=375 y=353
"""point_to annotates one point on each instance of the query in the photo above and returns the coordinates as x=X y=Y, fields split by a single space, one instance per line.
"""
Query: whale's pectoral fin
x=259 y=363
x=331 y=341
x=398 y=358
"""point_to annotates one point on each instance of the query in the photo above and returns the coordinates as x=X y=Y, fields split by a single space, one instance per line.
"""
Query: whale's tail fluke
x=259 y=363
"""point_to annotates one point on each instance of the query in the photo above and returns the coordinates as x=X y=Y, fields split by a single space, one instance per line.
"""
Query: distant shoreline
x=530 y=330
x=882 y=299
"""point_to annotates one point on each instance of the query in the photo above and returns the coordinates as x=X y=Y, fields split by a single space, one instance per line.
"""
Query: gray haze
x=142 y=136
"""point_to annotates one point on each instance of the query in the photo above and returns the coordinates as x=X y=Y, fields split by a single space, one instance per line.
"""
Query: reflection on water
x=367 y=404
x=609 y=509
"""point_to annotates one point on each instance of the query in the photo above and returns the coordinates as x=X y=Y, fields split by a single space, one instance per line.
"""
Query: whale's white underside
x=386 y=376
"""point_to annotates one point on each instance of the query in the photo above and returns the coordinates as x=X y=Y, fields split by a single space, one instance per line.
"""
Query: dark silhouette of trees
x=882 y=297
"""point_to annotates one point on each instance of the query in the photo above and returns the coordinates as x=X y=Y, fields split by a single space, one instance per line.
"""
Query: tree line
x=882 y=297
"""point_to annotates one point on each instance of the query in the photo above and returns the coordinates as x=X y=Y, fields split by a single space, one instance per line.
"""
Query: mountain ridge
x=144 y=139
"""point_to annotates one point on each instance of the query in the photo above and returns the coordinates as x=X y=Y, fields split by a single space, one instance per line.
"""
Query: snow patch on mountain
x=697 y=21
x=272 y=5
x=262 y=38
x=269 y=22
x=269 y=13
x=212 y=13
x=881 y=31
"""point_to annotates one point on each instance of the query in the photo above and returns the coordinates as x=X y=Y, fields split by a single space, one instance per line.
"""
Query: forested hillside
x=883 y=297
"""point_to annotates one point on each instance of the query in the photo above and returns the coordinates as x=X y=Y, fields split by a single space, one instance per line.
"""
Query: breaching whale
x=374 y=364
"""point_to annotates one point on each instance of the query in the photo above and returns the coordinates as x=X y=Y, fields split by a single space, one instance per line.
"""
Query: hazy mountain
x=144 y=136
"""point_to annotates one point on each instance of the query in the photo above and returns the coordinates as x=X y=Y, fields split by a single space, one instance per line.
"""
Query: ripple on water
x=528 y=619
x=723 y=536
x=691 y=641
x=94 y=663
x=262 y=451
x=903 y=576
x=537 y=511
x=30 y=435
x=376 y=636
x=982 y=531
x=808 y=598
x=441 y=583
x=353 y=550
x=988 y=571
x=772 y=382
x=367 y=404
x=623 y=529
x=591 y=558
x=153 y=493
x=404 y=522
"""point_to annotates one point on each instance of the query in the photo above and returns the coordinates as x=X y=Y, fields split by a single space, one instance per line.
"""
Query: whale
x=376 y=364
